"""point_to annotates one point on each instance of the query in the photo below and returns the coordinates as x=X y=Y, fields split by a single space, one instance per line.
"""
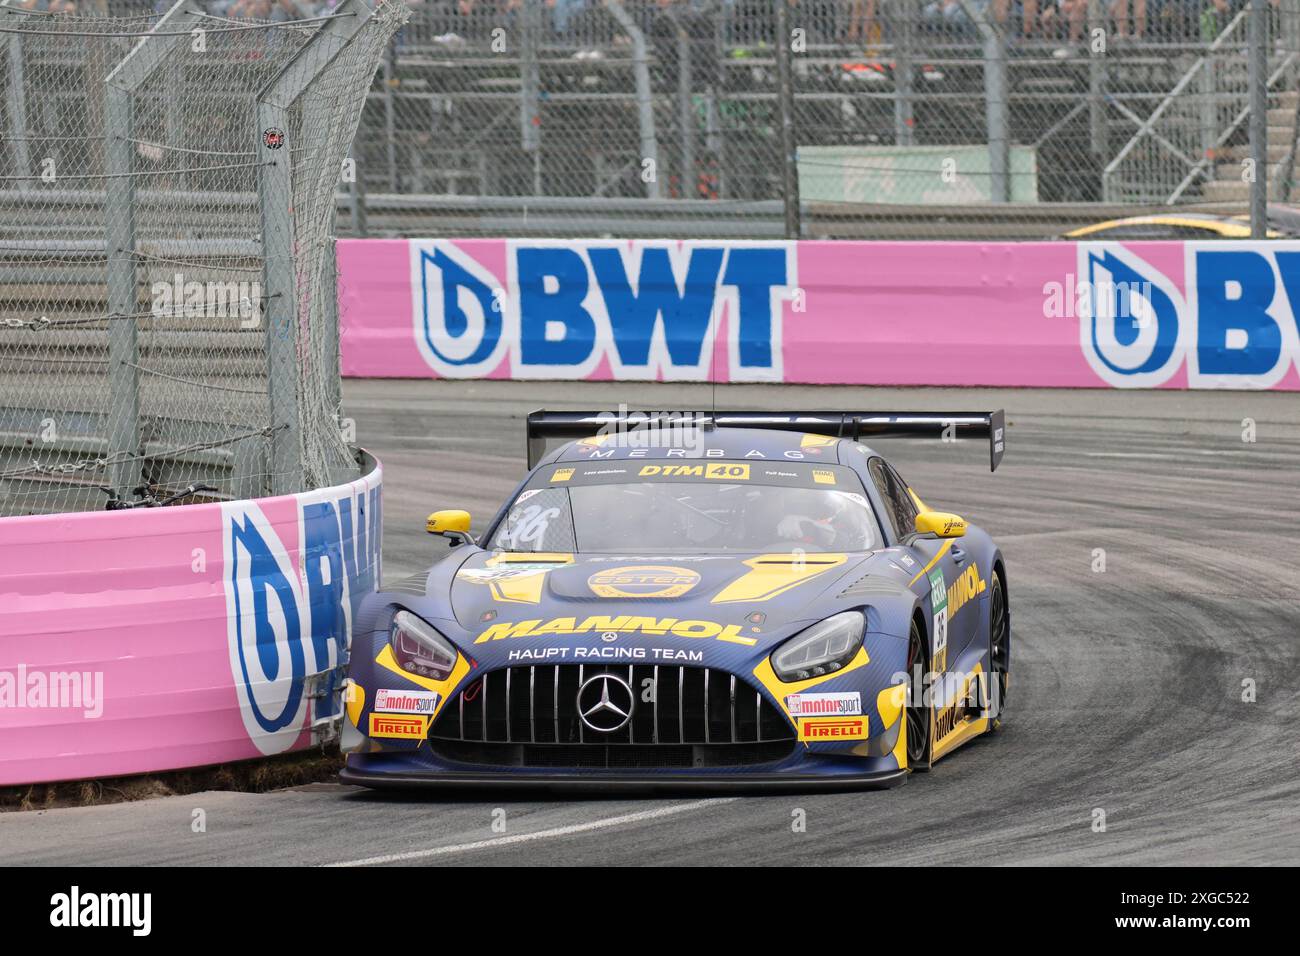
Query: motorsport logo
x=644 y=581
x=406 y=701
x=824 y=705
x=564 y=310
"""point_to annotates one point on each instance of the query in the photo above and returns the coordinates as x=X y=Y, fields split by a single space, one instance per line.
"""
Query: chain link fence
x=913 y=119
x=167 y=307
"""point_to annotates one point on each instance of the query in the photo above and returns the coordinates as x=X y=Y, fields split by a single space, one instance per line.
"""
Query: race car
x=746 y=598
x=1283 y=223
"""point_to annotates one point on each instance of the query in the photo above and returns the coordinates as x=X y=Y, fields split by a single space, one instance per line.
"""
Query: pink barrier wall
x=1103 y=314
x=156 y=639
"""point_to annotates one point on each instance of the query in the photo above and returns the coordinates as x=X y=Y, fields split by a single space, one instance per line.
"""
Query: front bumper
x=520 y=734
x=799 y=771
x=625 y=783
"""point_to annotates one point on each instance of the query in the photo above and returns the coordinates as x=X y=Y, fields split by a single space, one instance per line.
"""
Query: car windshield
x=683 y=517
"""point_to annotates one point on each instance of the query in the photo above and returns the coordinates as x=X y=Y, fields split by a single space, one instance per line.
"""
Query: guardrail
x=157 y=639
x=396 y=215
x=1045 y=314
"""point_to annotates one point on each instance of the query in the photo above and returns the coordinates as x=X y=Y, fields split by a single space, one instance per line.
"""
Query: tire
x=919 y=715
x=999 y=651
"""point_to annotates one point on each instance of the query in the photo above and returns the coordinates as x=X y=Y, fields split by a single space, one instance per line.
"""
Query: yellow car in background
x=1283 y=223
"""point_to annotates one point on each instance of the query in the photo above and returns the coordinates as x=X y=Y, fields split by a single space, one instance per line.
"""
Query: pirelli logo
x=832 y=728
x=399 y=726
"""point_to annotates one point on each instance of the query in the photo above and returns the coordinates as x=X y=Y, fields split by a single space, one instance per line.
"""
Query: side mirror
x=450 y=524
x=941 y=524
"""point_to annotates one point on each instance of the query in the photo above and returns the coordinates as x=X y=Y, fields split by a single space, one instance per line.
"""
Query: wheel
x=920 y=715
x=999 y=651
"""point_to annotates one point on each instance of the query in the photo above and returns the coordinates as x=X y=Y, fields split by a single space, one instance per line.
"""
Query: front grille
x=674 y=706
x=611 y=756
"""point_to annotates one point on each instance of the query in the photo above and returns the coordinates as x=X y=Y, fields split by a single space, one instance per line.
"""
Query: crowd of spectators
x=864 y=23
x=1067 y=20
x=852 y=22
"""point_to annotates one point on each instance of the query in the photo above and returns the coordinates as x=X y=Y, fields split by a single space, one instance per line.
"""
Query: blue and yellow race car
x=690 y=600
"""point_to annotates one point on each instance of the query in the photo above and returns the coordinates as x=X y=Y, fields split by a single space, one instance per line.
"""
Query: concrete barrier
x=157 y=639
x=1081 y=315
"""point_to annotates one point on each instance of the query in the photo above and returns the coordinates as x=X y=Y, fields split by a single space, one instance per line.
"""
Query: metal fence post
x=330 y=345
x=1209 y=110
x=685 y=105
x=280 y=285
x=17 y=95
x=357 y=200
x=121 y=276
x=389 y=74
x=785 y=108
x=1289 y=32
x=995 y=101
x=1096 y=19
x=1258 y=78
x=530 y=113
x=644 y=100
x=904 y=124
x=123 y=290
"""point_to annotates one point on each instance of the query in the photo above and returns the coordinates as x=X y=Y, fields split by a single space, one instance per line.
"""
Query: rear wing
x=950 y=426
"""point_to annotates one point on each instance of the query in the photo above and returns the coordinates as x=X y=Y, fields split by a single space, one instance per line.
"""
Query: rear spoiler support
x=947 y=426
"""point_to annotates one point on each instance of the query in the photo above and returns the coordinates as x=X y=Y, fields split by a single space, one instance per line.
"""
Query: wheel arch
x=999 y=567
x=918 y=615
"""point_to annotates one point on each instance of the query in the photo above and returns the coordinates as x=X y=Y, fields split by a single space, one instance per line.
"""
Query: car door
x=939 y=562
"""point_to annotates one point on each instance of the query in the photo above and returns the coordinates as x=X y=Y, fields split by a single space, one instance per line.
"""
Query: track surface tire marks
x=1126 y=689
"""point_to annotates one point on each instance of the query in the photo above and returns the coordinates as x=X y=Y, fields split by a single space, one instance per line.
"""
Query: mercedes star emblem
x=605 y=703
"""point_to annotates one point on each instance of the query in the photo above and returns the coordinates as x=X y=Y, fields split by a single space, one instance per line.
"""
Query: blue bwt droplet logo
x=1235 y=326
x=284 y=626
x=1130 y=318
x=642 y=310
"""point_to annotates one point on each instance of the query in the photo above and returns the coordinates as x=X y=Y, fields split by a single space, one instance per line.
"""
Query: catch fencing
x=168 y=325
x=907 y=119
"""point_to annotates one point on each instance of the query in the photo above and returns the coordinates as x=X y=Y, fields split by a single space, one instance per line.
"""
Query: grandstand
x=442 y=149
x=536 y=117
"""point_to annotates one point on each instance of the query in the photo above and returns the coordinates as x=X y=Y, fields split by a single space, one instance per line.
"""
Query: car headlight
x=822 y=649
x=419 y=648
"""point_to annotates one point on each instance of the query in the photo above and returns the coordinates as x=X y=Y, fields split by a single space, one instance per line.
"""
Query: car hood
x=756 y=595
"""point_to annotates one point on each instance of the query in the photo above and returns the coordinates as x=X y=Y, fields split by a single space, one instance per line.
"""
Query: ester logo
x=645 y=581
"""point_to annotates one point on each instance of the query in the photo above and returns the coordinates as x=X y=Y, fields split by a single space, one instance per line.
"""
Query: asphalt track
x=1126 y=690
